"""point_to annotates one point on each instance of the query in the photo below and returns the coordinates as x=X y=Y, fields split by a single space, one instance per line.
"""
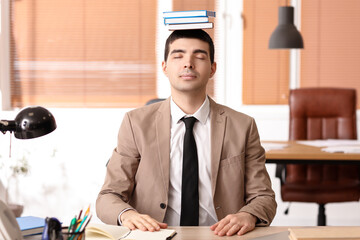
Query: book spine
x=171 y=27
x=192 y=13
x=186 y=20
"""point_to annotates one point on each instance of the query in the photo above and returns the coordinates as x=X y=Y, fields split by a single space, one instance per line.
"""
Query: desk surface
x=299 y=153
x=204 y=233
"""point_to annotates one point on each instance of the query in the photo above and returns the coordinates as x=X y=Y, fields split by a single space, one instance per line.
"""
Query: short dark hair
x=194 y=33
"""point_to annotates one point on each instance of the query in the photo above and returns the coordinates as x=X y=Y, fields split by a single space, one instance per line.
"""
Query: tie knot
x=189 y=122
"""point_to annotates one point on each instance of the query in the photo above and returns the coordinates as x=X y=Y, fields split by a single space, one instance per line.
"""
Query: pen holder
x=73 y=236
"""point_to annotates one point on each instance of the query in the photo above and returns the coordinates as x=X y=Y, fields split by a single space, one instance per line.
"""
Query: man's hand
x=133 y=220
x=239 y=223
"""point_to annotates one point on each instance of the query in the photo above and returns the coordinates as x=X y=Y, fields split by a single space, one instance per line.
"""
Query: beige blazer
x=138 y=172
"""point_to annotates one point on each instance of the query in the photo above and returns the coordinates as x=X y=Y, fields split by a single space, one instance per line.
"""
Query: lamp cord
x=10 y=146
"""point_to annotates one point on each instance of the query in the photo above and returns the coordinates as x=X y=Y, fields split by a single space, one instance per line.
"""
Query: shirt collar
x=201 y=114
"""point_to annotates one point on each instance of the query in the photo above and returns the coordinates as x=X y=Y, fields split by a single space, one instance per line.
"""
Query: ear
x=213 y=69
x=164 y=67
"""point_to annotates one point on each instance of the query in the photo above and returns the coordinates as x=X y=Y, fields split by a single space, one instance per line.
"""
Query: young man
x=164 y=172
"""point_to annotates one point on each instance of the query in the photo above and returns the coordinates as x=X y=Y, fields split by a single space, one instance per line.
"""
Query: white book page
x=105 y=231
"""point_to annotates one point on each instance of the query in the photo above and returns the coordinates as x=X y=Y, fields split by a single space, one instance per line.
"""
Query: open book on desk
x=112 y=232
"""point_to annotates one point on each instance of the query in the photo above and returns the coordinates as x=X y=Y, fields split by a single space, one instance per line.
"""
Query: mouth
x=188 y=76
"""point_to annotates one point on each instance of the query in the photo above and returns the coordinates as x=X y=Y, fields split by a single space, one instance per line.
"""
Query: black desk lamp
x=31 y=122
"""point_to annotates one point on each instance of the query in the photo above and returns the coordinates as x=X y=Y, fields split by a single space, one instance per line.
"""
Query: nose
x=189 y=63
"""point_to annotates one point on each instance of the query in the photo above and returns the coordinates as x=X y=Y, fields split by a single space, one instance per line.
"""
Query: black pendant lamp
x=285 y=34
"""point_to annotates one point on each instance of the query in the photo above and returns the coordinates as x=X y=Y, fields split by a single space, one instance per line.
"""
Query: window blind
x=83 y=53
x=332 y=51
x=265 y=71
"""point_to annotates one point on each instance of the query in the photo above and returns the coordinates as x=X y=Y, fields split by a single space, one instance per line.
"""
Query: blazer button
x=163 y=205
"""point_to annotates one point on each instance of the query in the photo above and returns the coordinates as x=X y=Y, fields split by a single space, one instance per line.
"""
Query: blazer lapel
x=218 y=122
x=162 y=123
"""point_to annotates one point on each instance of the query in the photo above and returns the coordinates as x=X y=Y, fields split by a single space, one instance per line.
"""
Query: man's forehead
x=189 y=43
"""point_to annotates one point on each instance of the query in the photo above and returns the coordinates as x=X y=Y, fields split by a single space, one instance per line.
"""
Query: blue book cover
x=31 y=225
x=191 y=13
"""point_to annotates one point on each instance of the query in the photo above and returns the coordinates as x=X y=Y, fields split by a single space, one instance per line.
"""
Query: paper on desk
x=330 y=142
x=273 y=146
x=342 y=149
x=335 y=145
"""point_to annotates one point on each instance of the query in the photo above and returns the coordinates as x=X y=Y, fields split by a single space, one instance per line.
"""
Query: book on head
x=191 y=13
x=30 y=225
x=112 y=232
x=186 y=20
x=172 y=27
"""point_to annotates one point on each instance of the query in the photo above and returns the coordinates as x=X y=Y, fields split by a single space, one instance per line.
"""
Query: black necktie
x=190 y=178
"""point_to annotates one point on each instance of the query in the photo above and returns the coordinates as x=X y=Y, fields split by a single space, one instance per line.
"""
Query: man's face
x=188 y=66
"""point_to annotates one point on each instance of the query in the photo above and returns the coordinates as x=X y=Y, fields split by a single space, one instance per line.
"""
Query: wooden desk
x=204 y=233
x=299 y=153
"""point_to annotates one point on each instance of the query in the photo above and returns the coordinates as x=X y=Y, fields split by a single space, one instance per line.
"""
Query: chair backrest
x=322 y=113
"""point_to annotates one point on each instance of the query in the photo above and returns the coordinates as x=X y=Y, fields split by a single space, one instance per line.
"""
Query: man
x=147 y=173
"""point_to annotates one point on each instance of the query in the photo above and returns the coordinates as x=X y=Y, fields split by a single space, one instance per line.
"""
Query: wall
x=68 y=165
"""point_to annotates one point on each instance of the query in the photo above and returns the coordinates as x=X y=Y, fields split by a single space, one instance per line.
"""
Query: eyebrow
x=195 y=51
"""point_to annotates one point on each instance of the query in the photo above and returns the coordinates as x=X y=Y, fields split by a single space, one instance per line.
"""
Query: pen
x=78 y=227
x=87 y=211
x=80 y=214
x=72 y=223
x=85 y=224
x=82 y=222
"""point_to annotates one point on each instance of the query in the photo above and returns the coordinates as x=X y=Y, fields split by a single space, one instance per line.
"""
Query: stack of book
x=193 y=19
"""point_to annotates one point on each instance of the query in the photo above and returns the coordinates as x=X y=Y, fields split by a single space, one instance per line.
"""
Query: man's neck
x=189 y=104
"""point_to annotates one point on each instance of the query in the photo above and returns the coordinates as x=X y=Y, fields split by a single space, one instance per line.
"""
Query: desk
x=299 y=153
x=204 y=233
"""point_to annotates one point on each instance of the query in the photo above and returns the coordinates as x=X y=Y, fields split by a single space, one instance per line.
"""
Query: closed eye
x=201 y=56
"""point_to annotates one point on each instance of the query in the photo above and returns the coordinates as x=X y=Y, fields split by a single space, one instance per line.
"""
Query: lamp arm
x=6 y=125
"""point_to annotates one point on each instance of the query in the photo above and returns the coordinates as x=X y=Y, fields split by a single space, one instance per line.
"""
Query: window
x=331 y=35
x=329 y=59
x=67 y=53
x=265 y=71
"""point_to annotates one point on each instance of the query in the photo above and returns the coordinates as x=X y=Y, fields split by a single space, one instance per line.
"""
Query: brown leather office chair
x=321 y=113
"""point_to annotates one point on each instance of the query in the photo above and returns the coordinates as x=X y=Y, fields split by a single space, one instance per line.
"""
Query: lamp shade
x=285 y=34
x=33 y=122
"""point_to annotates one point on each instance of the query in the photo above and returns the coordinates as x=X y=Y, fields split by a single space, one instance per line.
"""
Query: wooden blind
x=185 y=5
x=331 y=32
x=265 y=71
x=83 y=53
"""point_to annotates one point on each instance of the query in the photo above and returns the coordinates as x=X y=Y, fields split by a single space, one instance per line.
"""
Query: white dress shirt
x=201 y=130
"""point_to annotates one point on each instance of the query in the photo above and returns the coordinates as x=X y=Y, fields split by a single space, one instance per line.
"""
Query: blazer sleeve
x=259 y=196
x=120 y=176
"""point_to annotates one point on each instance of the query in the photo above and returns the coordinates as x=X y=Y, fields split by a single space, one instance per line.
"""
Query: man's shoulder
x=229 y=112
x=148 y=110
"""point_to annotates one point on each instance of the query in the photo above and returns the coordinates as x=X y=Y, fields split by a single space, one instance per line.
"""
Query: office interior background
x=91 y=61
